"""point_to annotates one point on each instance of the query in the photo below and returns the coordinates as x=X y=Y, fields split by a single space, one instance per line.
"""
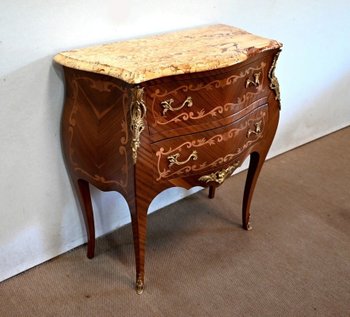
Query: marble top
x=189 y=51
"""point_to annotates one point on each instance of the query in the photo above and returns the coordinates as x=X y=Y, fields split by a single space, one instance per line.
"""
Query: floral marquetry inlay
x=200 y=112
x=202 y=145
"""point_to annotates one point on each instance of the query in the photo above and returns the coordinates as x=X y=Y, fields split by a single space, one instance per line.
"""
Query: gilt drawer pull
x=173 y=158
x=255 y=82
x=167 y=105
x=257 y=129
x=219 y=176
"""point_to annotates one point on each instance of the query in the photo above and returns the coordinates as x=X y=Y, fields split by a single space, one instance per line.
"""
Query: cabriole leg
x=139 y=222
x=255 y=165
x=83 y=191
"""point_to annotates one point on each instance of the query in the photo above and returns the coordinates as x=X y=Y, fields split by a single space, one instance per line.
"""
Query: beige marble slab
x=188 y=51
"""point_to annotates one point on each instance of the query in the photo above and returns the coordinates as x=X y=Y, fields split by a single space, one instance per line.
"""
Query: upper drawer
x=200 y=103
x=193 y=154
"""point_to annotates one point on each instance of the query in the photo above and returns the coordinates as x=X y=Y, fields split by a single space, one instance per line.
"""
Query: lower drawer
x=194 y=153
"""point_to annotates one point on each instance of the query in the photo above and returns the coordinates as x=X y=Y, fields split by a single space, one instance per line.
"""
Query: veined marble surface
x=181 y=52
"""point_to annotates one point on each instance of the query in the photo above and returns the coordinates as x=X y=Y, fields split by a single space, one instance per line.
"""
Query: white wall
x=39 y=218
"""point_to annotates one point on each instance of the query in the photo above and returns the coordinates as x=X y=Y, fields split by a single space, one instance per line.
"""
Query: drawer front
x=192 y=154
x=193 y=103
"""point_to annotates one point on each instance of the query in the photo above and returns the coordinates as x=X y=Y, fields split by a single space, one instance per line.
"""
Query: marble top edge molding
x=137 y=60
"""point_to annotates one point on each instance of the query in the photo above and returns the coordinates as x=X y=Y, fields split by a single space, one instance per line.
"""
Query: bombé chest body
x=179 y=109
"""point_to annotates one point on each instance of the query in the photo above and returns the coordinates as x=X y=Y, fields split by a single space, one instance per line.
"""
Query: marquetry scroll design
x=218 y=83
x=77 y=94
x=274 y=85
x=138 y=112
x=204 y=143
x=219 y=176
x=202 y=113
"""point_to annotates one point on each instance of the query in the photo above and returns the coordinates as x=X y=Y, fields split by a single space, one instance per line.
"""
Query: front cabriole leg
x=257 y=157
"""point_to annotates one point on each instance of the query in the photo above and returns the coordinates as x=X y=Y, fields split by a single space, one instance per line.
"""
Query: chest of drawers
x=180 y=109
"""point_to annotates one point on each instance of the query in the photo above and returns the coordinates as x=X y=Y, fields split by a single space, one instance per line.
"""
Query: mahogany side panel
x=95 y=130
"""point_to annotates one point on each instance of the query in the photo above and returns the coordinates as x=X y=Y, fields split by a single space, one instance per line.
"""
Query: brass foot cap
x=139 y=287
x=248 y=227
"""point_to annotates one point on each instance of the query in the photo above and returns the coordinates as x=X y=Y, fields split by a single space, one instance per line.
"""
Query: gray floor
x=199 y=262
